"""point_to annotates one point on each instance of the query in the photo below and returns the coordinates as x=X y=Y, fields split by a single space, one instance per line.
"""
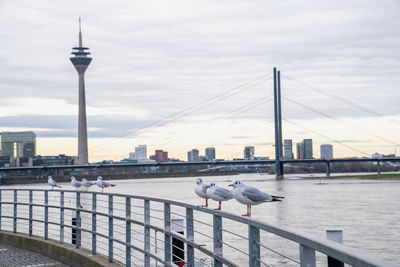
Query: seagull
x=53 y=183
x=249 y=195
x=218 y=193
x=201 y=190
x=75 y=183
x=102 y=184
x=87 y=183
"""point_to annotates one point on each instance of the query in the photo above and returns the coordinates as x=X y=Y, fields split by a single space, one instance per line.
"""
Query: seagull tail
x=59 y=186
x=277 y=198
x=113 y=185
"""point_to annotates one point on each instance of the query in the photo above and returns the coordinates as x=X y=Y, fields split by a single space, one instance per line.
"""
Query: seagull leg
x=248 y=211
x=219 y=206
x=206 y=205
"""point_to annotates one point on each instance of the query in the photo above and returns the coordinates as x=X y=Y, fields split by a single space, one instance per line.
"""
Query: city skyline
x=194 y=62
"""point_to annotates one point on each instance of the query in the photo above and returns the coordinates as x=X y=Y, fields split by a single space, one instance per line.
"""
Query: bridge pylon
x=278 y=126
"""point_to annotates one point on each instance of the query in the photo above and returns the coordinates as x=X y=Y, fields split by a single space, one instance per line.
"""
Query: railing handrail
x=335 y=250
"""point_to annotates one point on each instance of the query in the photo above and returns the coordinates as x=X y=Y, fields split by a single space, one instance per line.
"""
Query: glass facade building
x=18 y=144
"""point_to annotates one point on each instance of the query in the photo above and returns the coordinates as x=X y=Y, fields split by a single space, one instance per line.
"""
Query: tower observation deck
x=81 y=61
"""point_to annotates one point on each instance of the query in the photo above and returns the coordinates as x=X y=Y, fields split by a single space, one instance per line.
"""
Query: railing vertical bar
x=217 y=236
x=30 y=212
x=78 y=220
x=46 y=215
x=167 y=236
x=128 y=231
x=94 y=226
x=189 y=237
x=254 y=246
x=307 y=256
x=110 y=228
x=15 y=212
x=62 y=217
x=147 y=233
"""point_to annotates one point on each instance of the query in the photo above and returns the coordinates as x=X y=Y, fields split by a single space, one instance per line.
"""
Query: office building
x=54 y=160
x=81 y=61
x=160 y=156
x=193 y=155
x=210 y=153
x=140 y=153
x=249 y=152
x=18 y=144
x=288 y=148
x=300 y=150
x=308 y=149
x=326 y=151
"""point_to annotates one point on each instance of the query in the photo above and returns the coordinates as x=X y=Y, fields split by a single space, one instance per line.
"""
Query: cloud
x=152 y=59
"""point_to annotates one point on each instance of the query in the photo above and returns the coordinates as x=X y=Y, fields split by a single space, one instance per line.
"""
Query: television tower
x=81 y=61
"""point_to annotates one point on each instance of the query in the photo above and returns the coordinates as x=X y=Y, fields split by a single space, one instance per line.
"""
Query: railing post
x=254 y=246
x=217 y=236
x=46 y=215
x=307 y=256
x=94 y=226
x=78 y=220
x=336 y=236
x=147 y=233
x=167 y=236
x=189 y=237
x=61 y=217
x=15 y=212
x=128 y=231
x=110 y=228
x=30 y=212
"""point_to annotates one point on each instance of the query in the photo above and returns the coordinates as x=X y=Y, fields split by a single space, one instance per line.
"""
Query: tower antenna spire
x=80 y=33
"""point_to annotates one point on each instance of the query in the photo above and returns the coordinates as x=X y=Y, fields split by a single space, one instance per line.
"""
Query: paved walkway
x=16 y=257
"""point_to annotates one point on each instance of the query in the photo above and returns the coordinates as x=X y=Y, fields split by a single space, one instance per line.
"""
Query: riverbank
x=383 y=176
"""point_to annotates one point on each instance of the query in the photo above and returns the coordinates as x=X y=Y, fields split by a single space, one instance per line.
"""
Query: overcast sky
x=177 y=75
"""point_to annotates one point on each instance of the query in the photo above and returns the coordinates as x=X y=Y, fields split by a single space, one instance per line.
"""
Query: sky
x=179 y=75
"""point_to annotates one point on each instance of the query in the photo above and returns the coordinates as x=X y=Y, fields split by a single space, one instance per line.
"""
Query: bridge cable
x=324 y=136
x=177 y=115
x=351 y=103
x=241 y=109
x=347 y=124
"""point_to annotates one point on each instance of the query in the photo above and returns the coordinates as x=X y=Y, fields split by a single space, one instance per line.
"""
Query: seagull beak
x=230 y=185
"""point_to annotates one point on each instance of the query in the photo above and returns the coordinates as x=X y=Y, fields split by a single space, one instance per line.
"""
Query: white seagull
x=53 y=183
x=75 y=183
x=87 y=183
x=103 y=184
x=218 y=193
x=250 y=195
x=201 y=190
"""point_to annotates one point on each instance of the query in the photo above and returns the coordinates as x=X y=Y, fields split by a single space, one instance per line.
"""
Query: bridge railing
x=145 y=231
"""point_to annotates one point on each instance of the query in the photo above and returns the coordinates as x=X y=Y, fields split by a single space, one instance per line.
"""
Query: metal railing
x=137 y=230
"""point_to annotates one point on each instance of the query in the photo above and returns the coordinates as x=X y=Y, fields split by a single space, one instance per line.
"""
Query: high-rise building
x=249 y=152
x=81 y=61
x=18 y=144
x=160 y=156
x=300 y=150
x=140 y=153
x=193 y=155
x=288 y=148
x=326 y=151
x=210 y=153
x=308 y=149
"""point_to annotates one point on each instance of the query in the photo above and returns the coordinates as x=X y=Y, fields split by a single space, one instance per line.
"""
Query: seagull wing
x=255 y=195
x=223 y=192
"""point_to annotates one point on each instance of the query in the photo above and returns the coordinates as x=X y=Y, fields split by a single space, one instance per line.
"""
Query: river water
x=367 y=210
